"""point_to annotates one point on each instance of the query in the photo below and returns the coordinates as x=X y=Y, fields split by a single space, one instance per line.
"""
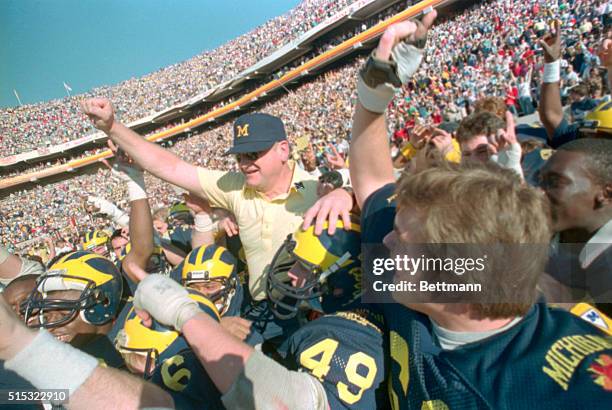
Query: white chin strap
x=334 y=267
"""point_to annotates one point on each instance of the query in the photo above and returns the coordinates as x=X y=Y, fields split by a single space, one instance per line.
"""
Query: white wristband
x=203 y=223
x=552 y=72
x=136 y=190
x=376 y=99
x=48 y=363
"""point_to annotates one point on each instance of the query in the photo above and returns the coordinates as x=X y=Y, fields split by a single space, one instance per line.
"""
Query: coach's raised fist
x=101 y=113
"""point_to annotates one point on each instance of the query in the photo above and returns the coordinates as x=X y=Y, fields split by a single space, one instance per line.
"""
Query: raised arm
x=551 y=110
x=140 y=220
x=394 y=61
x=151 y=157
x=233 y=366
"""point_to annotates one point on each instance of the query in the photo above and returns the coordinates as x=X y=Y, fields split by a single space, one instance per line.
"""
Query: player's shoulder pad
x=593 y=316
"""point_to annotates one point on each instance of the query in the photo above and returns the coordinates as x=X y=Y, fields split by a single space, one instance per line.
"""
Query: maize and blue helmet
x=158 y=342
x=211 y=264
x=97 y=241
x=598 y=121
x=96 y=278
x=332 y=262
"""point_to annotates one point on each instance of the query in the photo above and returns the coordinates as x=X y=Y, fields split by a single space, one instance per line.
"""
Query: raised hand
x=505 y=138
x=101 y=113
x=408 y=31
x=420 y=135
x=551 y=43
x=442 y=140
x=334 y=159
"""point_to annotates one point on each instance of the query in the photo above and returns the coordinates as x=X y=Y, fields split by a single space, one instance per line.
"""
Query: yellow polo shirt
x=264 y=223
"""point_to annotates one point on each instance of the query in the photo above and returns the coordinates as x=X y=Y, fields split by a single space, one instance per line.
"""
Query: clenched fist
x=101 y=113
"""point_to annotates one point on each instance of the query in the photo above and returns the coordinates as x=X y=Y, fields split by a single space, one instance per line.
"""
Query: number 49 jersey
x=345 y=352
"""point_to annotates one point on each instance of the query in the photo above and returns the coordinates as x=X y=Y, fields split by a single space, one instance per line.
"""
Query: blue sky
x=89 y=43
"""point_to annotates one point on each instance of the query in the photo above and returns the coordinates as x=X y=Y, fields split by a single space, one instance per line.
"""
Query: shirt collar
x=598 y=244
x=299 y=175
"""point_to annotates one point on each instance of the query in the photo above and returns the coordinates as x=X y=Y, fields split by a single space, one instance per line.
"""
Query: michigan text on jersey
x=568 y=352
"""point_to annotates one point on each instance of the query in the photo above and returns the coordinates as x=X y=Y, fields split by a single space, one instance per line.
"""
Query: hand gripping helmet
x=330 y=261
x=157 y=261
x=96 y=239
x=96 y=278
x=154 y=344
x=209 y=264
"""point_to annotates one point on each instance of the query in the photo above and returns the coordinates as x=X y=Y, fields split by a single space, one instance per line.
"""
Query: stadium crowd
x=219 y=272
x=480 y=58
x=58 y=121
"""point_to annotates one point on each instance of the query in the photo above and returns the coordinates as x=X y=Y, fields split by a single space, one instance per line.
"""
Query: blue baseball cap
x=256 y=132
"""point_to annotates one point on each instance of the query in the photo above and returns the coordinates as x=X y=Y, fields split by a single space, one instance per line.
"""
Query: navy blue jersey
x=565 y=132
x=377 y=215
x=564 y=265
x=551 y=359
x=185 y=379
x=345 y=352
x=103 y=349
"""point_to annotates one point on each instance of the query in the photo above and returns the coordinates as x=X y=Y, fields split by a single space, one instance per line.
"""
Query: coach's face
x=262 y=169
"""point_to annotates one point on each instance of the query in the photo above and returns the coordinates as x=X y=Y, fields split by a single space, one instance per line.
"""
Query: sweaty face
x=570 y=189
x=477 y=149
x=100 y=250
x=211 y=290
x=136 y=362
x=76 y=331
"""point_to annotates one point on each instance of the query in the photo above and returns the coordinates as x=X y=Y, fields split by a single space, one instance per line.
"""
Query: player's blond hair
x=481 y=205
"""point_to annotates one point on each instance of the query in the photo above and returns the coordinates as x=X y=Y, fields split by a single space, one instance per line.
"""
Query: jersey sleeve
x=565 y=132
x=378 y=214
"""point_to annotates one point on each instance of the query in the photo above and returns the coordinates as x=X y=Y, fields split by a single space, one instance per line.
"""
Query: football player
x=162 y=356
x=78 y=300
x=344 y=348
x=508 y=354
x=211 y=270
x=38 y=358
x=97 y=242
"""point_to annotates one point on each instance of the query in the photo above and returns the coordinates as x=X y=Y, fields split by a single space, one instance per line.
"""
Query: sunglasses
x=251 y=156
